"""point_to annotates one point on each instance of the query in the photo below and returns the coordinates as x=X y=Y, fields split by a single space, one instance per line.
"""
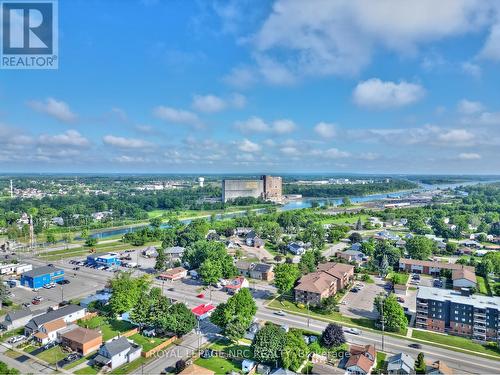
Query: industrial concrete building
x=267 y=187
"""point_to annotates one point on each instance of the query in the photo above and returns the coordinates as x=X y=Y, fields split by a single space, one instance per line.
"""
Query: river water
x=303 y=203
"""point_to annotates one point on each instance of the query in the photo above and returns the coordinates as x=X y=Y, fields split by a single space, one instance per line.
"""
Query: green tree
x=295 y=351
x=51 y=237
x=307 y=262
x=90 y=242
x=346 y=202
x=391 y=312
x=235 y=330
x=420 y=366
x=285 y=276
x=315 y=234
x=155 y=222
x=126 y=291
x=333 y=336
x=210 y=271
x=179 y=320
x=5 y=370
x=161 y=260
x=236 y=313
x=420 y=247
x=485 y=268
x=268 y=344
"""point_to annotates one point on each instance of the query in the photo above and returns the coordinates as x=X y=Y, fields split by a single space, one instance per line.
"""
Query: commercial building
x=174 y=274
x=41 y=276
x=458 y=313
x=323 y=283
x=267 y=187
x=104 y=259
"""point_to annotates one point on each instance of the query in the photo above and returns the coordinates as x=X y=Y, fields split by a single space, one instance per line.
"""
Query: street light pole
x=383 y=322
x=308 y=316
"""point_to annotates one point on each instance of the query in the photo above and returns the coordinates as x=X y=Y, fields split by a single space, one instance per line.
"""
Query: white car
x=352 y=331
x=15 y=339
x=280 y=313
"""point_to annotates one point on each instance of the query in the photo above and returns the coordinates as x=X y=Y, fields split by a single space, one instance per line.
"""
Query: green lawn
x=334 y=316
x=483 y=286
x=398 y=277
x=232 y=349
x=381 y=360
x=147 y=343
x=52 y=355
x=130 y=367
x=219 y=365
x=459 y=342
x=87 y=371
x=109 y=327
x=14 y=332
x=344 y=220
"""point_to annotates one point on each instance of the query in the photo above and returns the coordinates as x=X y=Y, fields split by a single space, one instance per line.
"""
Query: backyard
x=109 y=327
x=147 y=343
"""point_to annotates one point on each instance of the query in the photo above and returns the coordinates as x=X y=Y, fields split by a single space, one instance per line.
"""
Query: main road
x=186 y=291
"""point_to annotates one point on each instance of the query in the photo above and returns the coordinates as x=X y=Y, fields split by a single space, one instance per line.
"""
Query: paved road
x=187 y=291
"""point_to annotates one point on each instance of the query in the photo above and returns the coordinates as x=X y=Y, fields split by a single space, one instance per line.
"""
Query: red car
x=35 y=302
x=201 y=295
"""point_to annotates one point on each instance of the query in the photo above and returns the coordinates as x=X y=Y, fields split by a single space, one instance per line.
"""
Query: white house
x=296 y=249
x=117 y=352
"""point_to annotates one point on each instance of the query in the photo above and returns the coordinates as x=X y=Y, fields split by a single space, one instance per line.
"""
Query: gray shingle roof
x=261 y=267
x=117 y=346
x=19 y=314
x=41 y=271
x=50 y=316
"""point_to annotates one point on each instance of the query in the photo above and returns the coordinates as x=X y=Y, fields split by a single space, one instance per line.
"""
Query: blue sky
x=261 y=86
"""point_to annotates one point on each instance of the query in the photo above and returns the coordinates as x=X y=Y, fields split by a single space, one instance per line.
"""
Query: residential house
x=101 y=297
x=203 y=311
x=117 y=352
x=150 y=252
x=471 y=243
x=351 y=255
x=401 y=244
x=329 y=278
x=47 y=332
x=16 y=319
x=400 y=364
x=242 y=231
x=243 y=267
x=82 y=340
x=247 y=365
x=69 y=314
x=438 y=368
x=296 y=248
x=262 y=271
x=174 y=252
x=249 y=238
x=361 y=360
x=193 y=369
x=463 y=278
x=356 y=246
x=386 y=235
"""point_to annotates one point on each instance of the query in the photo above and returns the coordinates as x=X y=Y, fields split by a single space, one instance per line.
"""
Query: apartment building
x=458 y=313
x=428 y=267
x=324 y=282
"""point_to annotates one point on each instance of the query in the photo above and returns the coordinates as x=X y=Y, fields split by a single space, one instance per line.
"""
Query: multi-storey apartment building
x=458 y=313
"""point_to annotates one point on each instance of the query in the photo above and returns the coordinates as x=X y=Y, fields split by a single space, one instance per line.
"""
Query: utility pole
x=308 y=316
x=383 y=322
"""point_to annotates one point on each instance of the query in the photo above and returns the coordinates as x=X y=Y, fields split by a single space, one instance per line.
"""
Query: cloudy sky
x=261 y=86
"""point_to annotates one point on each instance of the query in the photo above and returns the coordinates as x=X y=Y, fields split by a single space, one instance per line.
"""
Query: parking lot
x=360 y=304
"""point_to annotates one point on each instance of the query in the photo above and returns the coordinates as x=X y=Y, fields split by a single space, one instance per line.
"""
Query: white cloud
x=177 y=116
x=491 y=49
x=129 y=159
x=469 y=156
x=335 y=153
x=120 y=113
x=123 y=142
x=257 y=125
x=283 y=126
x=274 y=72
x=468 y=107
x=320 y=37
x=471 y=69
x=212 y=103
x=68 y=138
x=289 y=151
x=325 y=130
x=54 y=108
x=248 y=146
x=208 y=103
x=241 y=77
x=378 y=94
x=456 y=136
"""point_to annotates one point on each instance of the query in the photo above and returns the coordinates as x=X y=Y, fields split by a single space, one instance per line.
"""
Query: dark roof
x=50 y=316
x=262 y=267
x=251 y=234
x=117 y=346
x=41 y=271
x=242 y=265
x=19 y=314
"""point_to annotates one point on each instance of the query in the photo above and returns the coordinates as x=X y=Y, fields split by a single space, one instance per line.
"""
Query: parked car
x=49 y=345
x=76 y=268
x=401 y=299
x=62 y=282
x=15 y=339
x=72 y=357
x=352 y=331
x=415 y=346
x=201 y=295
x=354 y=290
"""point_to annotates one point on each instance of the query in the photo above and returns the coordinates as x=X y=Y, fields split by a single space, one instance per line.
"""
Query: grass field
x=381 y=360
x=459 y=342
x=344 y=220
x=185 y=214
x=147 y=343
x=483 y=286
x=130 y=367
x=52 y=355
x=87 y=371
x=109 y=327
x=334 y=316
x=219 y=365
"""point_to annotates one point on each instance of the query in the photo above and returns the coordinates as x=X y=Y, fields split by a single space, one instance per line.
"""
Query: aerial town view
x=272 y=187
